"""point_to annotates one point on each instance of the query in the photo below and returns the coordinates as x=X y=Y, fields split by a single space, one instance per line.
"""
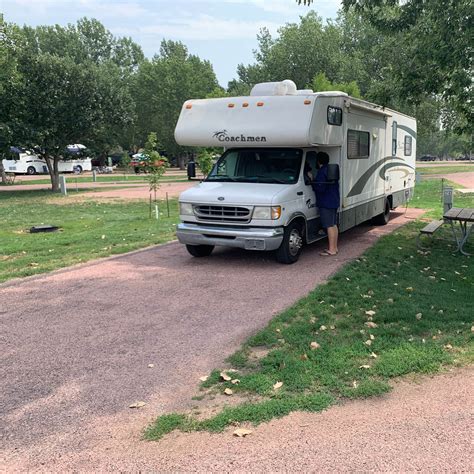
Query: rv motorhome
x=26 y=162
x=257 y=196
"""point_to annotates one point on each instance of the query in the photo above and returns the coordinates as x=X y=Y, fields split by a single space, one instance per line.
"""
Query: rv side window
x=358 y=144
x=394 y=138
x=334 y=115
x=407 y=147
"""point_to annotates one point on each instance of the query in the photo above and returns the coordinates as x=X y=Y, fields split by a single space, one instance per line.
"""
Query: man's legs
x=332 y=238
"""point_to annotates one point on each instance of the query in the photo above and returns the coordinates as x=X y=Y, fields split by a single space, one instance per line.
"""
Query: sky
x=222 y=31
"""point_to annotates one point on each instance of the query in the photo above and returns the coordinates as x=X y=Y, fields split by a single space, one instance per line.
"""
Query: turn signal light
x=245 y=104
x=230 y=106
x=307 y=102
x=189 y=106
x=259 y=104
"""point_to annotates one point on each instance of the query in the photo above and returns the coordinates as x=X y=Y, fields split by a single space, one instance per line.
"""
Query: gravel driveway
x=76 y=343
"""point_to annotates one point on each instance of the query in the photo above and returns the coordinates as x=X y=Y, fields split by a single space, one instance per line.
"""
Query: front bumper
x=253 y=238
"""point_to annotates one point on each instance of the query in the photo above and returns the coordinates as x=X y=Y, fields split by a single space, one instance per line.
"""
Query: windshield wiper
x=220 y=178
x=271 y=179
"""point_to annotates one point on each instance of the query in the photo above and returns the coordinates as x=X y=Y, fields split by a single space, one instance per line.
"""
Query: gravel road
x=77 y=344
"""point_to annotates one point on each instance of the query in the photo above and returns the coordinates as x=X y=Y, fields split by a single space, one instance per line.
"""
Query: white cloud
x=207 y=27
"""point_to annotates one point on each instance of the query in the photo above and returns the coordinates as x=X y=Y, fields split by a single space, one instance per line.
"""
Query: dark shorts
x=328 y=217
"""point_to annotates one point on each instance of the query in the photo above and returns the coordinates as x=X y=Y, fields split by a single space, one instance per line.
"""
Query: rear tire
x=31 y=170
x=383 y=219
x=290 y=249
x=200 y=250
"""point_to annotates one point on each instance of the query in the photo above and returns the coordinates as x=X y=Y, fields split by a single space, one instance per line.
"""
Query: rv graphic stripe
x=408 y=130
x=362 y=181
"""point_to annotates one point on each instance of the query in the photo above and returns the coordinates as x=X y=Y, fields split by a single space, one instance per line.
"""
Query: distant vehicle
x=138 y=163
x=24 y=161
x=462 y=158
x=427 y=158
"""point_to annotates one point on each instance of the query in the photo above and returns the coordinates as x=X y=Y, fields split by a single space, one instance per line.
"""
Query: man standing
x=328 y=201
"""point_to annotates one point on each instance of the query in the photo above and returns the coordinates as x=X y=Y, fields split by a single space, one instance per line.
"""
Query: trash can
x=191 y=169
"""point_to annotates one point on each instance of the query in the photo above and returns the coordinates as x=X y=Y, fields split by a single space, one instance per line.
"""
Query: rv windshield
x=259 y=165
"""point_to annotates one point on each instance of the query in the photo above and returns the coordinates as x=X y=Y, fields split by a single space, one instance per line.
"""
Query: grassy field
x=429 y=193
x=394 y=311
x=427 y=170
x=89 y=230
x=116 y=178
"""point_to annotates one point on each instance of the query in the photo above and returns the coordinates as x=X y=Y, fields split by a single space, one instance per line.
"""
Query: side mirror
x=333 y=172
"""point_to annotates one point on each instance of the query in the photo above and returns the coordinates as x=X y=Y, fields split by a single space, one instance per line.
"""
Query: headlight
x=267 y=213
x=186 y=209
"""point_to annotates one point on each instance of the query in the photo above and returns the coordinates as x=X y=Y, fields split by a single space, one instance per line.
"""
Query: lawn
x=429 y=194
x=394 y=311
x=427 y=170
x=89 y=230
x=71 y=179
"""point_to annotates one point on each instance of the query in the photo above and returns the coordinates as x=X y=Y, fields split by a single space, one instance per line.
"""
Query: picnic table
x=465 y=218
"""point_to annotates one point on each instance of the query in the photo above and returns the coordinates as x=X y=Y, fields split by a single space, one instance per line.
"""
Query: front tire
x=383 y=219
x=31 y=170
x=290 y=249
x=200 y=250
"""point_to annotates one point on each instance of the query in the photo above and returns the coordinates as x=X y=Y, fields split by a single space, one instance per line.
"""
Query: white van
x=257 y=197
x=26 y=162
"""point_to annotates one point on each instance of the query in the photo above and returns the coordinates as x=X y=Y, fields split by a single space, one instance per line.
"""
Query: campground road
x=76 y=343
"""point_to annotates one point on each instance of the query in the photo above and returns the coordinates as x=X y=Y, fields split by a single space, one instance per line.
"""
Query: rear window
x=407 y=145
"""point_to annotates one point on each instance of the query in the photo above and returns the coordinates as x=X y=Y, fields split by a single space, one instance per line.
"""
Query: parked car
x=427 y=158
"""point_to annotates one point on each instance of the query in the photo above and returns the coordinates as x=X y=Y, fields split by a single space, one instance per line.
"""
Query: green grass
x=116 y=178
x=89 y=230
x=423 y=313
x=428 y=195
x=428 y=170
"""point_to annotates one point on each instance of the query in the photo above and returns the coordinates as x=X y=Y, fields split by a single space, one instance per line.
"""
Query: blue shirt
x=327 y=194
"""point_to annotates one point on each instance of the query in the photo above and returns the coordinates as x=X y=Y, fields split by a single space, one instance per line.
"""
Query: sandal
x=327 y=253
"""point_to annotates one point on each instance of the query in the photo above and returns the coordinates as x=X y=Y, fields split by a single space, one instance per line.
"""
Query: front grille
x=222 y=213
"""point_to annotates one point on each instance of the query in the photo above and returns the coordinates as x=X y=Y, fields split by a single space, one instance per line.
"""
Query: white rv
x=26 y=162
x=257 y=197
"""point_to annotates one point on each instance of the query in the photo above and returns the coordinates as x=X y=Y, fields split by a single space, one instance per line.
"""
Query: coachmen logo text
x=223 y=136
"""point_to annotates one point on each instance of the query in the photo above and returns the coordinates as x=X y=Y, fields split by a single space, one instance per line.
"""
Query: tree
x=161 y=87
x=8 y=75
x=59 y=102
x=321 y=83
x=205 y=161
x=437 y=37
x=155 y=163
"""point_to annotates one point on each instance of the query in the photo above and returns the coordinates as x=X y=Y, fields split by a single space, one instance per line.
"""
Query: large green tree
x=299 y=52
x=68 y=88
x=438 y=38
x=163 y=84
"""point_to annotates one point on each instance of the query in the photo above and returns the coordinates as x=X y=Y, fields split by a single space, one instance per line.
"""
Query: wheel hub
x=295 y=242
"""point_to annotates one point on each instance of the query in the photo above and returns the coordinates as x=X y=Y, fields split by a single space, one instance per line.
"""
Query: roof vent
x=286 y=87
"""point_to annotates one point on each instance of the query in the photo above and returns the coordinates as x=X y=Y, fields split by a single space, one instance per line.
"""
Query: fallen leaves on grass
x=370 y=313
x=365 y=366
x=373 y=355
x=277 y=385
x=368 y=342
x=228 y=391
x=225 y=376
x=371 y=324
x=419 y=316
x=235 y=381
x=203 y=378
x=314 y=345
